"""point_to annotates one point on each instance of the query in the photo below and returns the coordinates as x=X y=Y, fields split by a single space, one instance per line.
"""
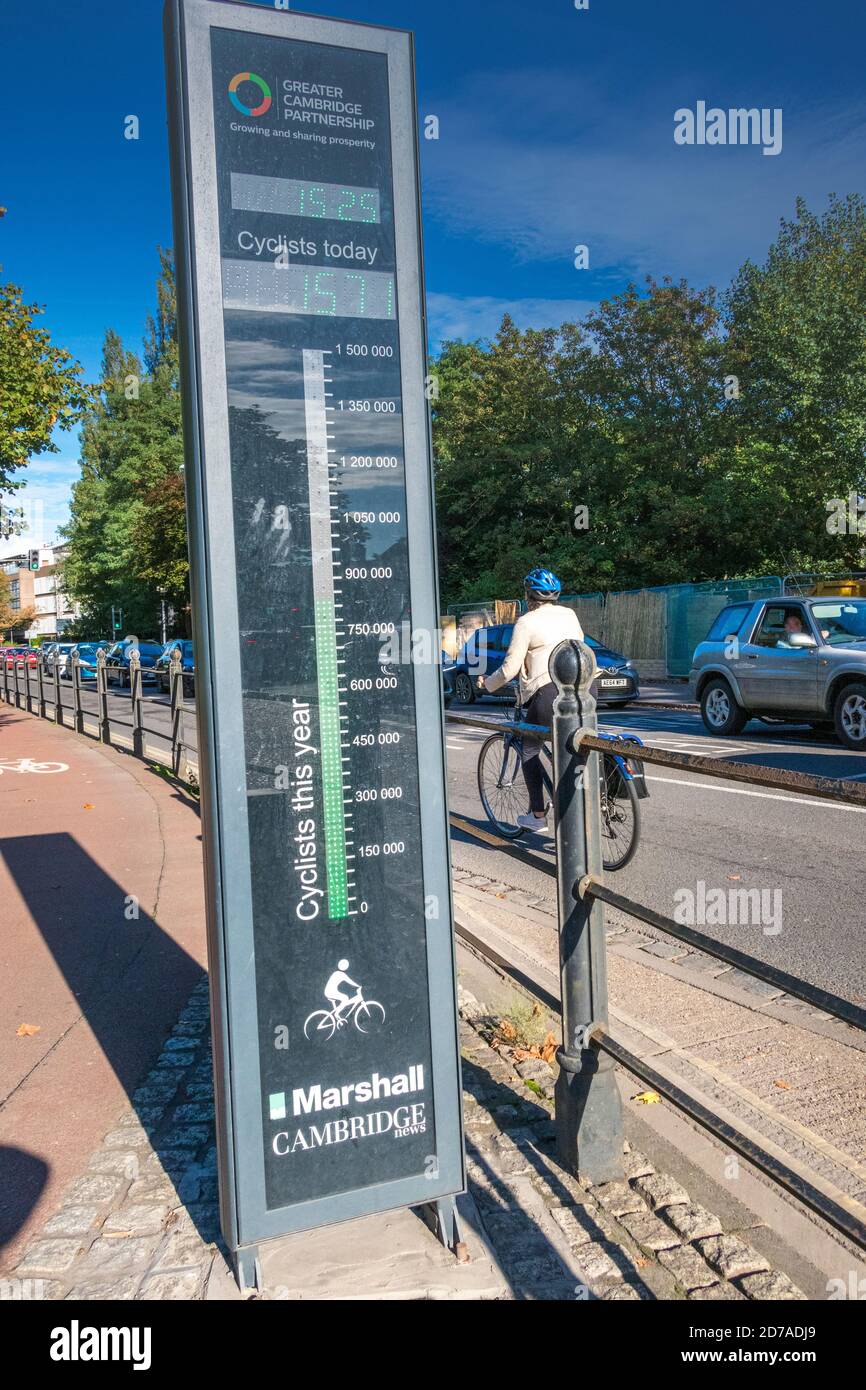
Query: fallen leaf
x=647 y=1097
x=549 y=1047
x=783 y=1085
x=507 y=1029
x=88 y=806
x=26 y=1030
x=734 y=878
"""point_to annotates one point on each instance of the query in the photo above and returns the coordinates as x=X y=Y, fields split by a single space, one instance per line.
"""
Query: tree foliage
x=127 y=531
x=704 y=435
x=40 y=387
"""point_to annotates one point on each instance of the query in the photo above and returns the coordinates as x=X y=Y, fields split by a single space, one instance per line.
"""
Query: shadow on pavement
x=129 y=978
x=22 y=1178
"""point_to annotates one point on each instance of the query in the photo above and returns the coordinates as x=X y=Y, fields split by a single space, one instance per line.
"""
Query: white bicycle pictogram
x=29 y=765
x=366 y=1014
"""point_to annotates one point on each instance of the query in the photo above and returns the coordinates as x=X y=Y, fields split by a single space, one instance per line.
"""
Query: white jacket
x=534 y=638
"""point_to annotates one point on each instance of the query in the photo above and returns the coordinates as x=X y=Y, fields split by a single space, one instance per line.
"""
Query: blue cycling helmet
x=543 y=584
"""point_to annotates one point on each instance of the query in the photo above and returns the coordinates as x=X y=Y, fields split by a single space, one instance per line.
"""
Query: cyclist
x=335 y=994
x=541 y=628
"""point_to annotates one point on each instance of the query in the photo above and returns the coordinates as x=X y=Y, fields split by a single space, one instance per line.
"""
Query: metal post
x=77 y=711
x=176 y=687
x=102 y=697
x=5 y=679
x=28 y=685
x=40 y=684
x=135 y=702
x=588 y=1111
x=15 y=676
x=58 y=703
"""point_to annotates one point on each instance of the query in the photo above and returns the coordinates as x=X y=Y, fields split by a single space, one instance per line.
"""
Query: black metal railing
x=27 y=683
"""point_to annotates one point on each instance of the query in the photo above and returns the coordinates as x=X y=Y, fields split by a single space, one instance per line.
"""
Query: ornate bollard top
x=573 y=663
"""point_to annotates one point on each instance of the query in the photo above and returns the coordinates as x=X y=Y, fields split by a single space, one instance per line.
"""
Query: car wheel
x=719 y=710
x=464 y=689
x=850 y=715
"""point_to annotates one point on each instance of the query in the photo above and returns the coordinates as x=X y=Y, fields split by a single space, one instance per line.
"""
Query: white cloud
x=44 y=497
x=586 y=166
x=479 y=316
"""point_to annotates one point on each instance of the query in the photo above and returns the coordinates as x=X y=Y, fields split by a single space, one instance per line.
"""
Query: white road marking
x=767 y=796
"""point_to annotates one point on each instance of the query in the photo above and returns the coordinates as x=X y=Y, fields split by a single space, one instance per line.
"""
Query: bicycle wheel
x=324 y=1022
x=369 y=1016
x=500 y=784
x=620 y=816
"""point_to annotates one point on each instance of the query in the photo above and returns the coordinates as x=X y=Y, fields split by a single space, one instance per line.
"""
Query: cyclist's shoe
x=532 y=822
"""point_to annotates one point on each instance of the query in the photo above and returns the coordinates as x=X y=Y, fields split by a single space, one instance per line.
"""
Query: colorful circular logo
x=263 y=87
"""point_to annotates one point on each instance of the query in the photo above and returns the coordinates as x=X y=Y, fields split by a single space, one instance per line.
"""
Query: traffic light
x=33 y=560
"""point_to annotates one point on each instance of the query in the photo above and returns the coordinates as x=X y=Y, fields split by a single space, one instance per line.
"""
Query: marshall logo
x=375 y=1087
x=402 y=1121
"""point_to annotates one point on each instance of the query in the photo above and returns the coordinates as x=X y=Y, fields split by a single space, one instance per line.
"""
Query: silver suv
x=802 y=660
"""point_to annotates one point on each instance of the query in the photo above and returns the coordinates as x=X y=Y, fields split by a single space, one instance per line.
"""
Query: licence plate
x=614 y=681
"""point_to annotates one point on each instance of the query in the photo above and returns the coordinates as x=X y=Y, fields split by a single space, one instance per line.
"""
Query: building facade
x=40 y=589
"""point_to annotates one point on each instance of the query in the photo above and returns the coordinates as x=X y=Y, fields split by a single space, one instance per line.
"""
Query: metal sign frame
x=245 y=1216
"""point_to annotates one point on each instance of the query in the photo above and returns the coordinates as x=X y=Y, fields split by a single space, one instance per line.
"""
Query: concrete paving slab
x=391 y=1256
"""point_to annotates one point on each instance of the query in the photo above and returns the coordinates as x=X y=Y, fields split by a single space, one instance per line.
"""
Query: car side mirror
x=801 y=640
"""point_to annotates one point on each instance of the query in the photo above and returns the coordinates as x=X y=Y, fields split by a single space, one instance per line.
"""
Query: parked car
x=117 y=661
x=447 y=679
x=187 y=664
x=86 y=653
x=56 y=653
x=616 y=684
x=20 y=657
x=786 y=660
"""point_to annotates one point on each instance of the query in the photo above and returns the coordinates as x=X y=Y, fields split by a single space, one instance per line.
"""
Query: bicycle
x=362 y=1012
x=503 y=792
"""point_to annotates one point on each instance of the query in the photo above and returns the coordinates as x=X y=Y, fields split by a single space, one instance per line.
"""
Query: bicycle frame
x=631 y=768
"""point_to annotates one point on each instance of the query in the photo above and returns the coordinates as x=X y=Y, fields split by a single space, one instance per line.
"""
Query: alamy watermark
x=729 y=907
x=737 y=126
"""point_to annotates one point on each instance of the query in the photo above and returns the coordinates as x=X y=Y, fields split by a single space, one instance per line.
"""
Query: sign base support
x=444 y=1222
x=248 y=1268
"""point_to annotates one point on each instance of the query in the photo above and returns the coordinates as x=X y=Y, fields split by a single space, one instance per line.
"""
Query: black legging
x=538 y=711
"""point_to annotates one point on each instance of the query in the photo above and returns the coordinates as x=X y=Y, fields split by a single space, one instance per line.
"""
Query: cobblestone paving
x=142 y=1221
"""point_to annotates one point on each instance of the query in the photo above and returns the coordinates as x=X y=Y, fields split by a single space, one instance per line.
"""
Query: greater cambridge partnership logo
x=264 y=93
x=304 y=108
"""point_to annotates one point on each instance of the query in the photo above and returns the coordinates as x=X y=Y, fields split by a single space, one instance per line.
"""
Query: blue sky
x=556 y=128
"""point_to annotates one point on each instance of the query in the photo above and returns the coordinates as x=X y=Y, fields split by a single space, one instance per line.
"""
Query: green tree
x=797 y=341
x=127 y=531
x=40 y=387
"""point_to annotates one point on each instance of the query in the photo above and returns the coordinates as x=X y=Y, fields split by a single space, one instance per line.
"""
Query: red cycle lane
x=102 y=940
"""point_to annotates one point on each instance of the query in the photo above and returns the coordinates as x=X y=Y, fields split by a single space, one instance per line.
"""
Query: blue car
x=616 y=684
x=117 y=661
x=86 y=653
x=187 y=664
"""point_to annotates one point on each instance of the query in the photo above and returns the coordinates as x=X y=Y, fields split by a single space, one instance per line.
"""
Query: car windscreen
x=841 y=621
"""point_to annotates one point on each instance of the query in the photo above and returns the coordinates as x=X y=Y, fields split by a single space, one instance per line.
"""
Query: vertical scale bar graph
x=325 y=561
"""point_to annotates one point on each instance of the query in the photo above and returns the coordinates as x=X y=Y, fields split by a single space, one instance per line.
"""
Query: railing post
x=15 y=676
x=5 y=680
x=176 y=687
x=40 y=684
x=102 y=697
x=58 y=703
x=135 y=702
x=28 y=685
x=588 y=1110
x=77 y=711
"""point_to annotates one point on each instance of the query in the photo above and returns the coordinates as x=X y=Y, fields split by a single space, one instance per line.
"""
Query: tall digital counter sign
x=311 y=527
